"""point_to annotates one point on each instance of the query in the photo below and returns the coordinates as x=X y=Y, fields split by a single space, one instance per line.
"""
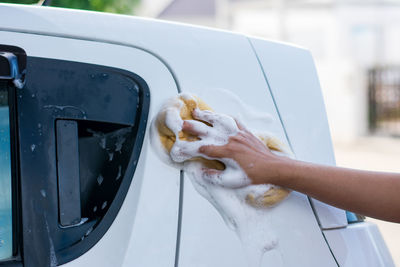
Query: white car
x=80 y=183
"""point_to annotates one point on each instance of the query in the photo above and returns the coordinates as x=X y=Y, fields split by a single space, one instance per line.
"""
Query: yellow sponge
x=269 y=198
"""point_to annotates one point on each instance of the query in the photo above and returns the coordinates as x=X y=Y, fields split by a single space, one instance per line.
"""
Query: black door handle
x=69 y=198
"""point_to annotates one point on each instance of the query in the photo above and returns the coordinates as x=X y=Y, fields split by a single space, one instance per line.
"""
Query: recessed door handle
x=69 y=198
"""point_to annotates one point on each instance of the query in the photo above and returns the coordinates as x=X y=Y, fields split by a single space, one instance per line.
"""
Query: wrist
x=283 y=170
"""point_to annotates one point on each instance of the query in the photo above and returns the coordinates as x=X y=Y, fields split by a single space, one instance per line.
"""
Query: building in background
x=356 y=46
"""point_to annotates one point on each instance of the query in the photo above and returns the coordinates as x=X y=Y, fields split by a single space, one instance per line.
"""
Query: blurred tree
x=114 y=6
x=19 y=1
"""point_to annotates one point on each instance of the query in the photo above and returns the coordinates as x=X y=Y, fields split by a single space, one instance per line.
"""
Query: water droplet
x=89 y=231
x=104 y=205
x=39 y=125
x=19 y=83
x=33 y=95
x=119 y=173
x=33 y=147
x=110 y=156
x=94 y=208
x=102 y=143
x=43 y=193
x=92 y=76
x=119 y=143
x=83 y=220
x=100 y=179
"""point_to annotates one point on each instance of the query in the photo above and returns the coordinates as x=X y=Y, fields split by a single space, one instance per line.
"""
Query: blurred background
x=356 y=47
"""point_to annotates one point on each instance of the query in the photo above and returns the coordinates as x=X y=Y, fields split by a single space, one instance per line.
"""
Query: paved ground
x=381 y=154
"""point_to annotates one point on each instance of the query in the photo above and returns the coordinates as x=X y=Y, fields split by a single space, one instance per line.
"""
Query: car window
x=5 y=177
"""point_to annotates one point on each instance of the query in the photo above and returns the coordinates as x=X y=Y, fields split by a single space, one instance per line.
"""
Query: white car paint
x=294 y=84
x=269 y=76
x=373 y=252
x=152 y=197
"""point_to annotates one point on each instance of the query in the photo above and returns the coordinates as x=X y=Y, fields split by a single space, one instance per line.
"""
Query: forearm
x=373 y=194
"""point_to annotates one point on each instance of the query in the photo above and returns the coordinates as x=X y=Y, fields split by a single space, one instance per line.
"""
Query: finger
x=195 y=128
x=211 y=172
x=222 y=122
x=227 y=124
x=257 y=144
x=233 y=180
x=183 y=151
x=211 y=175
x=253 y=139
x=213 y=151
x=245 y=138
x=204 y=115
x=226 y=178
x=240 y=125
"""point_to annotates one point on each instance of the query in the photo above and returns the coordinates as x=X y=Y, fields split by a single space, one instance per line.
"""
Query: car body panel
x=291 y=72
x=152 y=197
x=205 y=239
x=372 y=253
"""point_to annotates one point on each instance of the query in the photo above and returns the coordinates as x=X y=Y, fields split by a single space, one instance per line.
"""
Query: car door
x=223 y=70
x=89 y=190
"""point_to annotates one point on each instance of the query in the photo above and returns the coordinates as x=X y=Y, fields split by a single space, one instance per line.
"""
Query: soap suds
x=228 y=190
x=223 y=127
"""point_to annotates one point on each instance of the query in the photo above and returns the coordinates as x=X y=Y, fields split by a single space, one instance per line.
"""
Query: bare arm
x=374 y=194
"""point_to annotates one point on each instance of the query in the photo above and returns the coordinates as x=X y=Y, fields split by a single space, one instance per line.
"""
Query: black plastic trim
x=43 y=236
x=69 y=192
x=11 y=263
x=180 y=215
x=17 y=233
x=14 y=144
x=80 y=248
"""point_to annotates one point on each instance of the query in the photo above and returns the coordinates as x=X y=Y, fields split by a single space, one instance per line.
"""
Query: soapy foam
x=223 y=127
x=226 y=190
x=250 y=224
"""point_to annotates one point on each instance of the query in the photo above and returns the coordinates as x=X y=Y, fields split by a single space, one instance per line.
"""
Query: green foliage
x=19 y=1
x=113 y=6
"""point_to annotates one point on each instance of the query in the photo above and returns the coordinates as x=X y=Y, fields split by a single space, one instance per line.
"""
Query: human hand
x=252 y=155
